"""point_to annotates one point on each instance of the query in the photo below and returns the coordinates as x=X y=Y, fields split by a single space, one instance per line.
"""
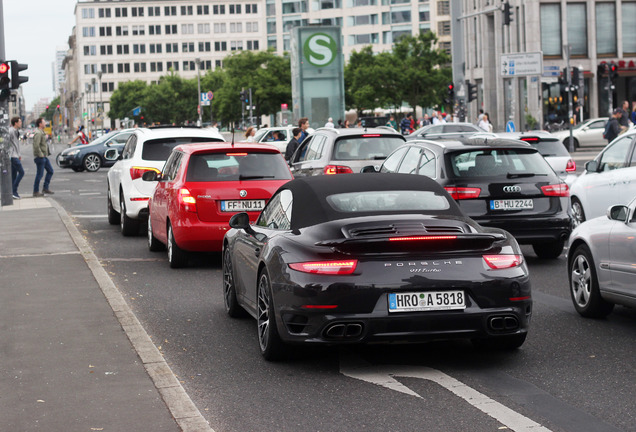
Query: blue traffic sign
x=510 y=126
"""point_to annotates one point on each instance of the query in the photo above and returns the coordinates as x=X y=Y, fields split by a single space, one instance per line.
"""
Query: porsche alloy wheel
x=584 y=290
x=232 y=306
x=92 y=162
x=177 y=257
x=272 y=347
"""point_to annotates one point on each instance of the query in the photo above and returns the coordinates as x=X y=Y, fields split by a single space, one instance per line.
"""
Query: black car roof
x=310 y=206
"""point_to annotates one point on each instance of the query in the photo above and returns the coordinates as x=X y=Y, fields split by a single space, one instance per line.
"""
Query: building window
x=236 y=45
x=218 y=9
x=203 y=10
x=217 y=63
x=154 y=29
x=363 y=20
x=88 y=31
x=187 y=47
x=364 y=39
x=154 y=10
x=123 y=67
x=629 y=30
x=90 y=50
x=90 y=69
x=425 y=13
x=443 y=7
x=172 y=66
x=186 y=10
x=220 y=28
x=172 y=47
x=171 y=29
x=220 y=46
x=271 y=42
x=236 y=27
x=121 y=30
x=443 y=28
x=106 y=50
x=105 y=31
x=204 y=46
x=251 y=27
x=138 y=30
x=251 y=8
x=156 y=66
x=203 y=28
x=88 y=13
x=108 y=86
x=139 y=67
x=551 y=29
x=270 y=9
x=606 y=29
x=271 y=25
x=446 y=47
x=155 y=48
x=187 y=28
x=139 y=48
x=577 y=29
x=123 y=49
x=107 y=68
x=137 y=11
x=104 y=12
x=294 y=7
x=235 y=9
x=170 y=10
x=188 y=65
x=356 y=3
x=252 y=45
x=121 y=12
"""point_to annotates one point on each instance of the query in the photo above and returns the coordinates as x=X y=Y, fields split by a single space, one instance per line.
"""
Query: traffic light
x=16 y=79
x=472 y=91
x=613 y=72
x=575 y=76
x=601 y=69
x=507 y=13
x=5 y=80
x=244 y=96
x=451 y=92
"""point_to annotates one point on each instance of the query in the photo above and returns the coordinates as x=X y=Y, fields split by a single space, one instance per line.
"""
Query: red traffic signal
x=4 y=68
x=451 y=87
x=5 y=78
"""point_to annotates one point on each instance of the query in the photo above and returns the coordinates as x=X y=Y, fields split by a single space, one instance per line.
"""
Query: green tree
x=363 y=81
x=128 y=96
x=51 y=110
x=172 y=101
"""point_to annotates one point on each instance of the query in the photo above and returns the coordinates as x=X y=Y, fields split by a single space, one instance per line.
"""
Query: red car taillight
x=326 y=267
x=571 y=166
x=498 y=262
x=459 y=193
x=557 y=190
x=337 y=169
x=136 y=172
x=415 y=238
x=186 y=201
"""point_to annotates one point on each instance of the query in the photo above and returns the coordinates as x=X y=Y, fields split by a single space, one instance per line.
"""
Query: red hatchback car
x=202 y=186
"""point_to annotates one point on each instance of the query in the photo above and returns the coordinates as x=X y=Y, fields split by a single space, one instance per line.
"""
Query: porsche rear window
x=159 y=149
x=213 y=167
x=507 y=163
x=388 y=201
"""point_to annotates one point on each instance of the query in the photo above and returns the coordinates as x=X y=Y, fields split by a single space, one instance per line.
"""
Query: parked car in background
x=444 y=131
x=588 y=133
x=90 y=157
x=202 y=186
x=550 y=148
x=146 y=150
x=380 y=258
x=278 y=136
x=498 y=182
x=343 y=151
x=609 y=179
x=601 y=257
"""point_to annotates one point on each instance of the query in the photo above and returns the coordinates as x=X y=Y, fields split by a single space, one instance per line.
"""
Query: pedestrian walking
x=633 y=116
x=81 y=136
x=303 y=123
x=624 y=120
x=405 y=125
x=293 y=144
x=17 y=172
x=42 y=162
x=613 y=127
x=392 y=123
x=249 y=134
x=329 y=123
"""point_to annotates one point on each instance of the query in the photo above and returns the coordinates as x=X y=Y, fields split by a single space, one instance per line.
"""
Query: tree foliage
x=128 y=96
x=51 y=109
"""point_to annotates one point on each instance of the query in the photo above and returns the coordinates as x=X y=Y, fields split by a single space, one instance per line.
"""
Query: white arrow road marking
x=382 y=375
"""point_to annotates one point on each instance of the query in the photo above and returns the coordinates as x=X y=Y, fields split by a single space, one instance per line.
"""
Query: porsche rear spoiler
x=438 y=243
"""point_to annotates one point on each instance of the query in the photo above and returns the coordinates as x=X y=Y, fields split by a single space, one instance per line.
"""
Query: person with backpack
x=80 y=136
x=613 y=127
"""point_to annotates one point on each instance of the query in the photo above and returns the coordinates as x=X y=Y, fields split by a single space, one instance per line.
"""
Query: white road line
x=383 y=376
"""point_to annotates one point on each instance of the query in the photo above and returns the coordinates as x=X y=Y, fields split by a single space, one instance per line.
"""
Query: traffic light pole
x=566 y=48
x=6 y=186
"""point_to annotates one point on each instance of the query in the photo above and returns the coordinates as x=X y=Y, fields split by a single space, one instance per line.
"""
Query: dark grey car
x=343 y=151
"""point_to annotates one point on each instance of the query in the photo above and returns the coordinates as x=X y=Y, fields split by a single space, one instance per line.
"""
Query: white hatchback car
x=147 y=149
x=608 y=180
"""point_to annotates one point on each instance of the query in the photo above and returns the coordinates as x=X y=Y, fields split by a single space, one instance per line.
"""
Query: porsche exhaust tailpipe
x=503 y=323
x=344 y=331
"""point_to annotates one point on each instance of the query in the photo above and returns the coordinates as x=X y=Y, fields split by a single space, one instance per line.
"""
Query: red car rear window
x=237 y=166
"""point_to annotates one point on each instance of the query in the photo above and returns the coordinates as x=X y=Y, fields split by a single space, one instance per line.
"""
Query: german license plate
x=426 y=301
x=512 y=204
x=242 y=205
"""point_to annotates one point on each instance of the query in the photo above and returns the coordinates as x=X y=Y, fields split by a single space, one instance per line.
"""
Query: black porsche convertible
x=364 y=258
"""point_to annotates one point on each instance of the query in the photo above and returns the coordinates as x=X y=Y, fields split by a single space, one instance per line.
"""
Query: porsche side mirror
x=241 y=221
x=151 y=176
x=591 y=166
x=618 y=213
x=369 y=169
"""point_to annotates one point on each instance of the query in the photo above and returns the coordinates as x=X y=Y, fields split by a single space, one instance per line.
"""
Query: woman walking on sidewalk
x=42 y=162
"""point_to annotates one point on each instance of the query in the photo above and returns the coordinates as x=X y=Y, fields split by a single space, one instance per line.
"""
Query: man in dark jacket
x=613 y=127
x=293 y=144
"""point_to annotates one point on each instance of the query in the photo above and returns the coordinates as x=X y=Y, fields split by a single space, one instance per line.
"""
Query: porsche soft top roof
x=310 y=206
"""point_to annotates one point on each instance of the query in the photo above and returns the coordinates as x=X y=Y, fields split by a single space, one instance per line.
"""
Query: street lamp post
x=100 y=108
x=198 y=60
x=94 y=103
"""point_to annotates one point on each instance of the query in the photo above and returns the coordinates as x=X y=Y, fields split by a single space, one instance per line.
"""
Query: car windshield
x=159 y=149
x=234 y=166
x=388 y=201
x=372 y=147
x=509 y=163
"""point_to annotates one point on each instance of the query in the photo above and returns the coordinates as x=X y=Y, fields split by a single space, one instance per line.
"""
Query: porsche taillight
x=326 y=267
x=136 y=172
x=498 y=262
x=557 y=190
x=337 y=169
x=459 y=193
x=571 y=166
x=186 y=201
x=424 y=238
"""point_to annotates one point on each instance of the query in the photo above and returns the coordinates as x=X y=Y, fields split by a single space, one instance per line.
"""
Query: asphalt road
x=572 y=374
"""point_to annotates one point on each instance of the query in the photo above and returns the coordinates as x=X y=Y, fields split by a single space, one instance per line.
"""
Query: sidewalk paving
x=73 y=357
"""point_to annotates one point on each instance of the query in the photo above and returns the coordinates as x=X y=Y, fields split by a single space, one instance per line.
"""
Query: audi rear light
x=498 y=262
x=326 y=267
x=136 y=172
x=414 y=238
x=337 y=169
x=571 y=166
x=186 y=201
x=557 y=190
x=460 y=193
